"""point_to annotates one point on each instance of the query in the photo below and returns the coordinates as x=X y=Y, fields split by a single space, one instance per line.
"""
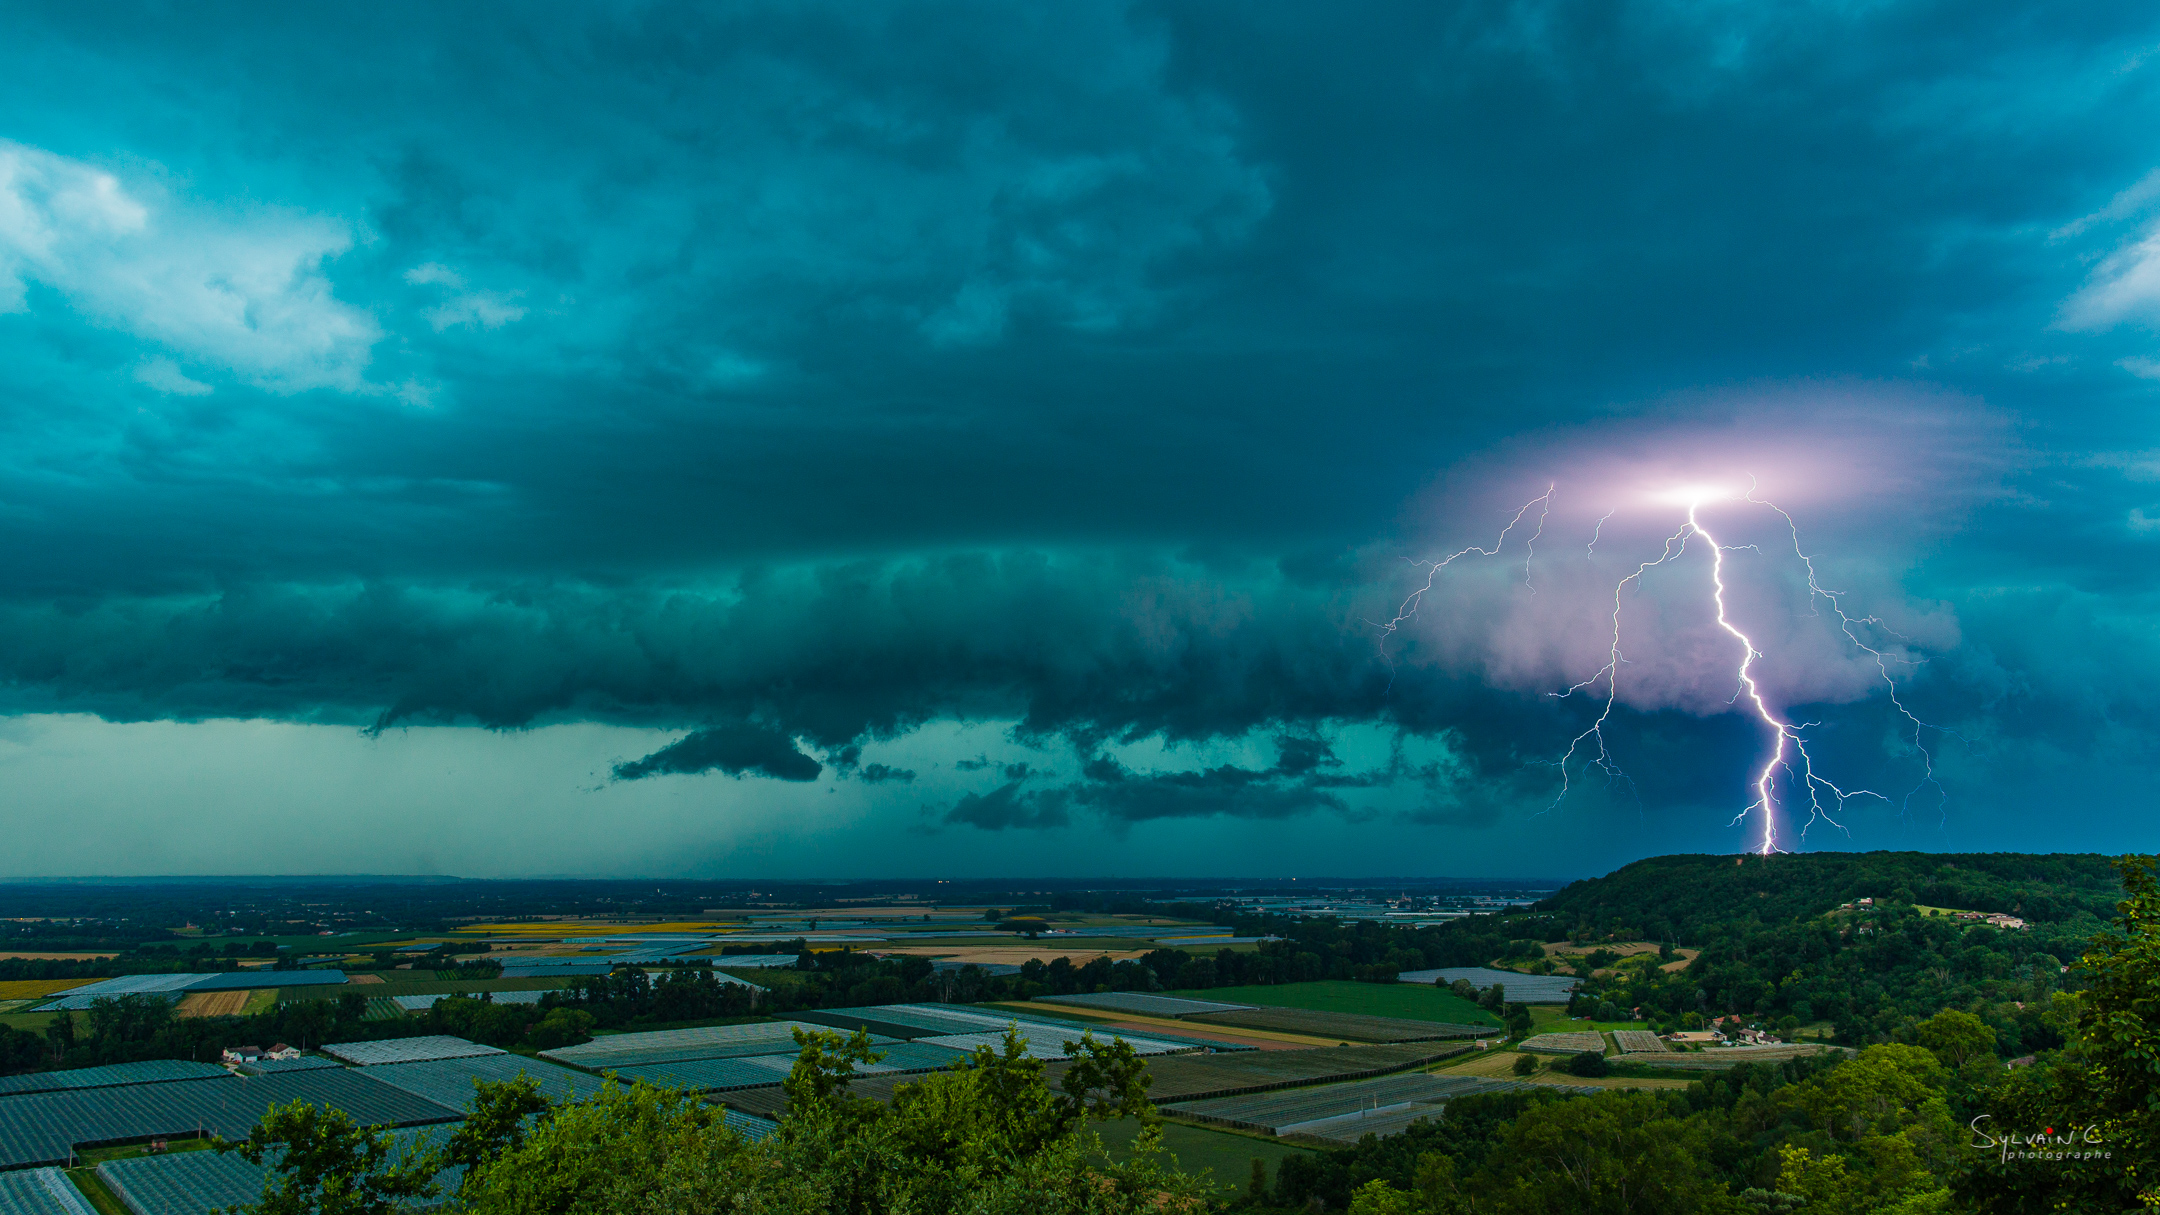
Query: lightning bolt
x=1409 y=608
x=1788 y=755
x=1847 y=624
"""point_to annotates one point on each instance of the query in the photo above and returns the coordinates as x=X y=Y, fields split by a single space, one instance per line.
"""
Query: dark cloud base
x=787 y=675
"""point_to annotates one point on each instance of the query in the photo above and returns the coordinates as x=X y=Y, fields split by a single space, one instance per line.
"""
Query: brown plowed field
x=214 y=1003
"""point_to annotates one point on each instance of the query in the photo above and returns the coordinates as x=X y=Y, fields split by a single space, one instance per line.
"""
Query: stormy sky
x=923 y=440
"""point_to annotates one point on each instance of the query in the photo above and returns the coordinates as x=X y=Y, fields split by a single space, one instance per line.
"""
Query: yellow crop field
x=214 y=1003
x=30 y=989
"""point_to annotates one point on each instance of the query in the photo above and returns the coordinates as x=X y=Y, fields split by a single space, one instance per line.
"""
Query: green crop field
x=1553 y=1019
x=1228 y=1153
x=1411 y=1001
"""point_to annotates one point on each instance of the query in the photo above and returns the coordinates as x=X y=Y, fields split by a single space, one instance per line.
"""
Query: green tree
x=1605 y=1152
x=1377 y=1197
x=60 y=1035
x=602 y=1154
x=325 y=1164
x=1525 y=1064
x=561 y=1027
x=2119 y=1030
x=1589 y=1063
x=1955 y=1037
x=502 y=1115
x=1434 y=1184
x=2103 y=1088
x=826 y=1065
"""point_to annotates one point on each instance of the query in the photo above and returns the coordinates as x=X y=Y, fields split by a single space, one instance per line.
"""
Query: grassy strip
x=95 y=1156
x=92 y=1187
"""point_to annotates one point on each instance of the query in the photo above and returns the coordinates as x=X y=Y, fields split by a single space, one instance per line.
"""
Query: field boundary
x=1242 y=1090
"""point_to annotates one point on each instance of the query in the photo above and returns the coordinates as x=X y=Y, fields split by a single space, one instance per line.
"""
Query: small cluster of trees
x=631 y=997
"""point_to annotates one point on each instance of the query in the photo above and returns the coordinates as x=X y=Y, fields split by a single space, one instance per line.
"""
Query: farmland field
x=1500 y=1064
x=1227 y=1153
x=27 y=989
x=1342 y=1027
x=215 y=1003
x=1723 y=1057
x=1194 y=1077
x=1372 y=999
x=1578 y=1042
x=1290 y=1109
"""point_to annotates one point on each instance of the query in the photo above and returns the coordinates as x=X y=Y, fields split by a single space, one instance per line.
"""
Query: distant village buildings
x=1993 y=919
x=256 y=1054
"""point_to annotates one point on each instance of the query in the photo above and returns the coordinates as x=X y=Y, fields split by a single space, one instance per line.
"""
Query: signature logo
x=2050 y=1143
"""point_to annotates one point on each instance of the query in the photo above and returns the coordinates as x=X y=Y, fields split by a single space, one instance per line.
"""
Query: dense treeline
x=1870 y=972
x=1688 y=899
x=843 y=978
x=631 y=998
x=1880 y=1135
x=126 y=964
x=131 y=1028
x=29 y=935
x=1866 y=972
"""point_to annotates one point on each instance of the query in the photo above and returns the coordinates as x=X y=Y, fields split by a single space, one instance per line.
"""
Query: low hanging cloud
x=738 y=749
x=1298 y=783
x=786 y=674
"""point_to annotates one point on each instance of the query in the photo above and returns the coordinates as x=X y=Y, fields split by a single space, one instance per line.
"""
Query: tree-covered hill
x=1691 y=898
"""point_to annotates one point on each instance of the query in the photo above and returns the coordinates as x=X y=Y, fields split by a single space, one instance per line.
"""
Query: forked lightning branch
x=1787 y=778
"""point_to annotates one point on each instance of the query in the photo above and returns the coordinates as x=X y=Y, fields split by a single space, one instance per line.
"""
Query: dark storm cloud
x=1122 y=796
x=1008 y=806
x=799 y=375
x=738 y=748
x=1242 y=297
